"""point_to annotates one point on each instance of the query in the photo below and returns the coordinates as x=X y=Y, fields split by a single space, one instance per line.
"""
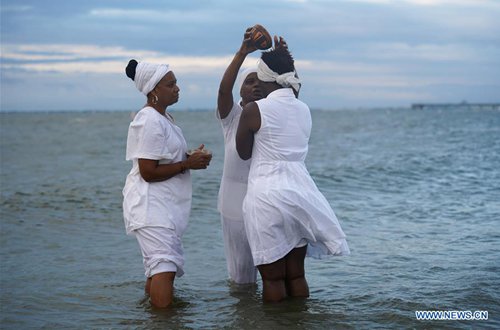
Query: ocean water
x=417 y=193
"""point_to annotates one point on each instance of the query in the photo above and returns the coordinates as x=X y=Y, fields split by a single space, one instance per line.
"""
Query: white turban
x=244 y=74
x=147 y=76
x=287 y=79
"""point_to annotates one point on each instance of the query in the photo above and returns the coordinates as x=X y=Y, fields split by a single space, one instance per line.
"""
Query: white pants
x=161 y=250
x=238 y=254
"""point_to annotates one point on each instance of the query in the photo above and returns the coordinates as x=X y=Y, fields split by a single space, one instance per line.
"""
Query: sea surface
x=417 y=193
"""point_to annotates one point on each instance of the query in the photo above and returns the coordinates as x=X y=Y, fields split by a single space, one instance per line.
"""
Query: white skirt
x=283 y=210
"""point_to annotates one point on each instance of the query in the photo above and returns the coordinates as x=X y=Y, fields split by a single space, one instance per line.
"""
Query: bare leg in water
x=296 y=284
x=273 y=280
x=285 y=277
x=147 y=287
x=160 y=288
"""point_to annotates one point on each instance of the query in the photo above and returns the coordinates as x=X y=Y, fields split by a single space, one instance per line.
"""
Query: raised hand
x=280 y=42
x=247 y=45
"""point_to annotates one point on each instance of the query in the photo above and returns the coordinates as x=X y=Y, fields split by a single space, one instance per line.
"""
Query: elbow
x=244 y=156
x=148 y=170
x=244 y=148
x=243 y=153
x=147 y=176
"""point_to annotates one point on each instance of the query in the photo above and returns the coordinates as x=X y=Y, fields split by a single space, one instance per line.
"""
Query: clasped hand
x=199 y=158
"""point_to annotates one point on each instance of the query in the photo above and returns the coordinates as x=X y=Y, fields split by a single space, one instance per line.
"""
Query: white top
x=283 y=206
x=158 y=204
x=233 y=186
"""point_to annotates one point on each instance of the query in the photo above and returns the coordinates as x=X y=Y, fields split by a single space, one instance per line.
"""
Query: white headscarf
x=244 y=74
x=287 y=79
x=147 y=76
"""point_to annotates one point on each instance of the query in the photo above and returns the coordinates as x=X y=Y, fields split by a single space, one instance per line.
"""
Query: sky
x=350 y=54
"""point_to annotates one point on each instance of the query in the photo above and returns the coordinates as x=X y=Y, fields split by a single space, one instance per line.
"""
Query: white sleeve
x=147 y=138
x=227 y=122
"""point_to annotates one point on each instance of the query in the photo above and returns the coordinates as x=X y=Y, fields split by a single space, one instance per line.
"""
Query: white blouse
x=157 y=204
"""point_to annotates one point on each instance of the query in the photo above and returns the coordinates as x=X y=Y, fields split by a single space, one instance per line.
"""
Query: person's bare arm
x=225 y=97
x=249 y=124
x=152 y=171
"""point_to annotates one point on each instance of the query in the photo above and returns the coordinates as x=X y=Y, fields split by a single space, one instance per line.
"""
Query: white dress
x=233 y=188
x=165 y=204
x=283 y=207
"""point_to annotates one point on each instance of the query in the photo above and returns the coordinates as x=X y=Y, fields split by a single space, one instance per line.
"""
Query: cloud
x=156 y=15
x=95 y=58
x=15 y=8
x=423 y=52
x=389 y=64
x=63 y=52
x=98 y=59
x=347 y=51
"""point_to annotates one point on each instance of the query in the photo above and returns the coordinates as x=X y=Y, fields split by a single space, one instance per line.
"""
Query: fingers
x=207 y=158
x=280 y=42
x=247 y=37
x=283 y=43
x=247 y=46
x=199 y=160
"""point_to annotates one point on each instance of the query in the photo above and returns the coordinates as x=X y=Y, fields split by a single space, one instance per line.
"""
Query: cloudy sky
x=70 y=55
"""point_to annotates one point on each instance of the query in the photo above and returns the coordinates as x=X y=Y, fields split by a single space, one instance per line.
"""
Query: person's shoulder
x=251 y=108
x=235 y=113
x=150 y=112
x=144 y=113
x=235 y=108
x=302 y=103
x=148 y=116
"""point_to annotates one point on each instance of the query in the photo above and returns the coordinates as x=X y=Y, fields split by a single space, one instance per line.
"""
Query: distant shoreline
x=414 y=106
x=490 y=106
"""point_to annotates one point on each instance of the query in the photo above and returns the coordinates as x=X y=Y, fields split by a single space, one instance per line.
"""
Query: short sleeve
x=227 y=122
x=148 y=137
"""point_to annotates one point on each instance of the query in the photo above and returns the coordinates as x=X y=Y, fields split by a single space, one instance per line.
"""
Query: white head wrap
x=147 y=76
x=244 y=74
x=287 y=79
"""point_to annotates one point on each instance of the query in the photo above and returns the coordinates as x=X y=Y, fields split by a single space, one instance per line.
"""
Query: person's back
x=286 y=216
x=284 y=133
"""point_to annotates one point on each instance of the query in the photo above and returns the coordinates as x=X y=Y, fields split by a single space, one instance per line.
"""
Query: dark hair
x=130 y=69
x=279 y=60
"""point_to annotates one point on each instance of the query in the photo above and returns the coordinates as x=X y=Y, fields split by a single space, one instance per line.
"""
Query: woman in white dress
x=286 y=216
x=234 y=180
x=157 y=192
